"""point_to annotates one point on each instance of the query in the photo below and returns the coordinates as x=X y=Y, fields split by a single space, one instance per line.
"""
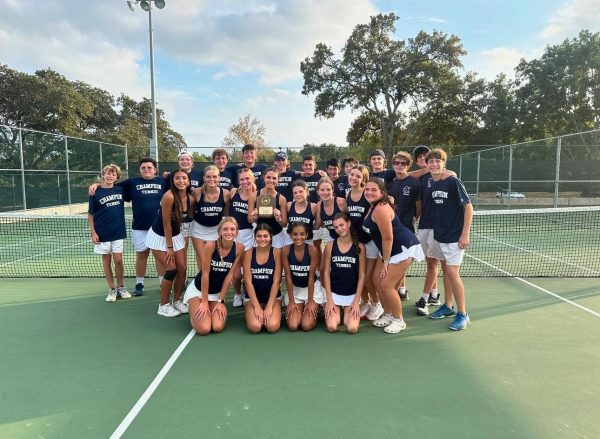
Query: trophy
x=265 y=204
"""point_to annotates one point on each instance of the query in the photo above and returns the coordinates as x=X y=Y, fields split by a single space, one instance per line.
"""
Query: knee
x=218 y=327
x=202 y=331
x=292 y=326
x=352 y=329
x=273 y=327
x=331 y=327
x=170 y=275
x=253 y=327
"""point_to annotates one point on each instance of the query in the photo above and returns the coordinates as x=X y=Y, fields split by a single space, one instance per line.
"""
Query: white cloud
x=436 y=20
x=489 y=63
x=574 y=16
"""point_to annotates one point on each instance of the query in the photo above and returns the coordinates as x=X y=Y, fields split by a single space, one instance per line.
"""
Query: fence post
x=460 y=167
x=478 y=171
x=68 y=171
x=101 y=164
x=557 y=173
x=126 y=160
x=510 y=166
x=22 y=169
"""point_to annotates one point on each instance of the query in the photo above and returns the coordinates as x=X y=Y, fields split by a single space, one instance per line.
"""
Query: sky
x=217 y=61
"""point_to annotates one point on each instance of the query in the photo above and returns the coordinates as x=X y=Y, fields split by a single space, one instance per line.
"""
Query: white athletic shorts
x=451 y=253
x=246 y=238
x=157 y=242
x=108 y=247
x=321 y=233
x=415 y=252
x=428 y=244
x=191 y=291
x=340 y=300
x=301 y=294
x=138 y=238
x=204 y=233
x=371 y=250
x=185 y=229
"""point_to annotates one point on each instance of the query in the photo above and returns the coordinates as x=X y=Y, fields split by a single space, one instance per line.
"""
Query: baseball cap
x=421 y=149
x=378 y=152
x=281 y=155
x=184 y=152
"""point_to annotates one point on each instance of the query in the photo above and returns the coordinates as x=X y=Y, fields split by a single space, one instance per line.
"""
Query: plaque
x=265 y=205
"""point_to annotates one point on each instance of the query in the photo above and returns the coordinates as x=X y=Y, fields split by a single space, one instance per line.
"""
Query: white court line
x=125 y=423
x=570 y=302
x=45 y=253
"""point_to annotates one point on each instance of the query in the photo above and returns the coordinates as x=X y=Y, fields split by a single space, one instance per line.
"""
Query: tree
x=246 y=130
x=377 y=75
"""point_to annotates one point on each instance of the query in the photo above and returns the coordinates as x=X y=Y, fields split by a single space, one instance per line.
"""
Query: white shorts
x=138 y=238
x=157 y=242
x=108 y=247
x=321 y=233
x=185 y=229
x=428 y=244
x=204 y=233
x=191 y=291
x=371 y=250
x=415 y=252
x=246 y=238
x=451 y=253
x=301 y=294
x=340 y=300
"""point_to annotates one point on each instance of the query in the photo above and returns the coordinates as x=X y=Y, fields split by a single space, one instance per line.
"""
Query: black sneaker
x=434 y=301
x=403 y=297
x=139 y=290
x=422 y=307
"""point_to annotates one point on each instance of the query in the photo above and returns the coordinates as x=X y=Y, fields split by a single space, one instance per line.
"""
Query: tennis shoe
x=238 y=300
x=364 y=310
x=403 y=296
x=461 y=321
x=442 y=312
x=383 y=321
x=435 y=301
x=123 y=293
x=167 y=310
x=139 y=289
x=422 y=307
x=395 y=327
x=180 y=306
x=375 y=312
x=112 y=295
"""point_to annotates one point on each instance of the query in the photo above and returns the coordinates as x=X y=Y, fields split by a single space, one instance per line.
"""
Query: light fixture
x=131 y=4
x=145 y=4
x=159 y=3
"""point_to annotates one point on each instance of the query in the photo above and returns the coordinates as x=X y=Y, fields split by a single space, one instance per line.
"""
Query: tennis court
x=74 y=366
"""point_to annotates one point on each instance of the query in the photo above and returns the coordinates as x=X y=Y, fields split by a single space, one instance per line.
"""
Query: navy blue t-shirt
x=449 y=197
x=406 y=193
x=426 y=219
x=225 y=181
x=284 y=184
x=145 y=196
x=387 y=175
x=341 y=186
x=196 y=178
x=311 y=182
x=258 y=169
x=107 y=206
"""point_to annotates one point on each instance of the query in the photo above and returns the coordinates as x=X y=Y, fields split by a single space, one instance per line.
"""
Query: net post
x=101 y=164
x=510 y=166
x=126 y=160
x=24 y=192
x=68 y=171
x=477 y=183
x=557 y=172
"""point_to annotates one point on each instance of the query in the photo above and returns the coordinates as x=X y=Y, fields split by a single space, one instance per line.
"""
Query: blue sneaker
x=139 y=290
x=442 y=312
x=461 y=321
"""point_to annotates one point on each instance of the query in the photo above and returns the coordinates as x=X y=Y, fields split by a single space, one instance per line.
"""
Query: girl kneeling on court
x=343 y=276
x=262 y=277
x=205 y=296
x=305 y=294
x=397 y=248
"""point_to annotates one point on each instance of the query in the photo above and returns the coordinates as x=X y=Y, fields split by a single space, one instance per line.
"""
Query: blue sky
x=217 y=61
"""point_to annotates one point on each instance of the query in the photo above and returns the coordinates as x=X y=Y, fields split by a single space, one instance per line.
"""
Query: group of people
x=343 y=242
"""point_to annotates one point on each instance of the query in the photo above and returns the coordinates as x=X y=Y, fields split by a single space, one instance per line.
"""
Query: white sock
x=397 y=320
x=402 y=290
x=434 y=292
x=160 y=279
x=139 y=280
x=425 y=296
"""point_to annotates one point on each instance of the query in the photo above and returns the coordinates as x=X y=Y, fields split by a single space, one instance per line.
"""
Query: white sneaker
x=167 y=310
x=395 y=327
x=112 y=295
x=123 y=293
x=375 y=312
x=383 y=321
x=180 y=306
x=364 y=310
x=238 y=300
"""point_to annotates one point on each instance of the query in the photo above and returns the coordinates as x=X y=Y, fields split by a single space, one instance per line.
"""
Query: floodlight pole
x=154 y=139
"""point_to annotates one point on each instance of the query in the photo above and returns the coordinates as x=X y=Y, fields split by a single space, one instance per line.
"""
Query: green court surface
x=73 y=366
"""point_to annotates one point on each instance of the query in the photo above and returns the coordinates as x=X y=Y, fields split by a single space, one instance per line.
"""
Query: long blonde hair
x=219 y=241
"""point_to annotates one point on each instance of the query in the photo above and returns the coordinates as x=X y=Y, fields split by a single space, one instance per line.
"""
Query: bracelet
x=386 y=261
x=222 y=301
x=169 y=246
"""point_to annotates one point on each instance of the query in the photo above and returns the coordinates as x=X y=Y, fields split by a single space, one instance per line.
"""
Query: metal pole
x=557 y=172
x=510 y=165
x=68 y=172
x=154 y=139
x=460 y=167
x=126 y=160
x=101 y=160
x=477 y=185
x=24 y=194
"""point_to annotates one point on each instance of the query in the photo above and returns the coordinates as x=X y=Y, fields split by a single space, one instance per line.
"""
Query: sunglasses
x=403 y=163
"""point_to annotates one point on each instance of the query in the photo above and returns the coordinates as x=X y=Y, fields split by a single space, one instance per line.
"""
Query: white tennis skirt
x=157 y=242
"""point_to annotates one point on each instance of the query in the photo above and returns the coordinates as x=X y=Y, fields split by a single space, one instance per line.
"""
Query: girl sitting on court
x=262 y=278
x=205 y=296
x=343 y=276
x=305 y=294
x=167 y=243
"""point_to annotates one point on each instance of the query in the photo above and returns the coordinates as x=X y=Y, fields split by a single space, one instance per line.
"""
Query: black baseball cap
x=281 y=155
x=421 y=149
x=378 y=152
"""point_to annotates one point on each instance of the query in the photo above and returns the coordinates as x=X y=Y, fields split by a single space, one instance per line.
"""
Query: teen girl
x=327 y=207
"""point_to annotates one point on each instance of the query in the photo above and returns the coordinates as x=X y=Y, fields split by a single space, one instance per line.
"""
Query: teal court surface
x=73 y=366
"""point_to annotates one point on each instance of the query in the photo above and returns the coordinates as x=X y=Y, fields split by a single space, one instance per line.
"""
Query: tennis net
x=524 y=243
